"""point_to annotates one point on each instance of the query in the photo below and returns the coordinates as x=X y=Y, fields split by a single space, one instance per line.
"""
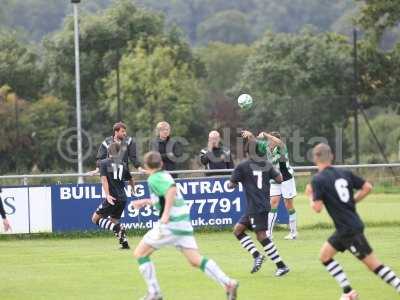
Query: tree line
x=302 y=80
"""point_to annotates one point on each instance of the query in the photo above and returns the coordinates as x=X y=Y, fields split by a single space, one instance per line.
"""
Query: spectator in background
x=216 y=156
x=6 y=223
x=170 y=150
x=128 y=147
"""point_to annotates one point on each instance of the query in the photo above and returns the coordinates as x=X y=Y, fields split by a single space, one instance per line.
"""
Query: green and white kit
x=178 y=231
x=279 y=157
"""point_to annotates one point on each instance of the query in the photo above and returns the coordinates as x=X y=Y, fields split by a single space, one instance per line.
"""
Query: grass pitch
x=93 y=268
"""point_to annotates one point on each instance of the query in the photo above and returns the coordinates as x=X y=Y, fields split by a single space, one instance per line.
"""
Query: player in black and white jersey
x=333 y=188
x=255 y=173
x=113 y=172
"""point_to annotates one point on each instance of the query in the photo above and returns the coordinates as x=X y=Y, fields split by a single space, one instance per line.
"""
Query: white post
x=78 y=93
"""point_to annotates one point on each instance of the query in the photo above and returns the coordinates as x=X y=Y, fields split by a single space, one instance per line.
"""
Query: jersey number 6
x=341 y=186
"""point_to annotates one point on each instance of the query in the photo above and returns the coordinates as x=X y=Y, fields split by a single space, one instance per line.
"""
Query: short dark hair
x=113 y=149
x=117 y=126
x=153 y=160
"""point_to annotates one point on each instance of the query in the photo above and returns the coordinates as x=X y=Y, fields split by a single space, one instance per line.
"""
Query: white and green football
x=245 y=101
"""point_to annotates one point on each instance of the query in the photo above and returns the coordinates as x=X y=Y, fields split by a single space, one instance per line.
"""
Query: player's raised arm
x=270 y=137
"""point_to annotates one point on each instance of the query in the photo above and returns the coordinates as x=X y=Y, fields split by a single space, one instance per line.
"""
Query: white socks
x=272 y=216
x=148 y=271
x=293 y=222
x=212 y=270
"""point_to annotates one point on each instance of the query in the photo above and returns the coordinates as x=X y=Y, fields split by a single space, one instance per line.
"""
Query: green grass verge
x=87 y=265
x=95 y=269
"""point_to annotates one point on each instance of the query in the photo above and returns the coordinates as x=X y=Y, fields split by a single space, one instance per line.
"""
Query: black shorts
x=105 y=209
x=357 y=244
x=256 y=222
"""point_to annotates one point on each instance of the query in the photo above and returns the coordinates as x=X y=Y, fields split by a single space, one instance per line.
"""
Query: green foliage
x=15 y=143
x=205 y=20
x=45 y=120
x=299 y=82
x=224 y=64
x=37 y=18
x=30 y=131
x=377 y=16
x=19 y=66
x=379 y=75
x=173 y=98
x=40 y=17
x=387 y=127
x=102 y=35
x=104 y=39
x=230 y=26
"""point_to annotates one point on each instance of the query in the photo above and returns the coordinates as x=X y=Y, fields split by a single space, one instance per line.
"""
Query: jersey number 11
x=117 y=171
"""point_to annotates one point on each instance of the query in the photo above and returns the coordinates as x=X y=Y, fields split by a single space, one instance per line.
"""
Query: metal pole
x=16 y=130
x=118 y=89
x=355 y=100
x=78 y=93
x=378 y=143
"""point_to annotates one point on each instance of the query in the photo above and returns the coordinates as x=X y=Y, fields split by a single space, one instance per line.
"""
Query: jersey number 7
x=258 y=174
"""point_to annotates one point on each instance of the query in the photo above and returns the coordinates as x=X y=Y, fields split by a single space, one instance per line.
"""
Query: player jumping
x=333 y=188
x=286 y=189
x=114 y=172
x=255 y=173
x=174 y=229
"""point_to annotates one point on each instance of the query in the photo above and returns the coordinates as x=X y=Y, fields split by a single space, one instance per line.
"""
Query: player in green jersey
x=287 y=189
x=174 y=229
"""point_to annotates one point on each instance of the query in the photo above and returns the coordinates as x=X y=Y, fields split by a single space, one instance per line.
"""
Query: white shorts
x=287 y=189
x=162 y=237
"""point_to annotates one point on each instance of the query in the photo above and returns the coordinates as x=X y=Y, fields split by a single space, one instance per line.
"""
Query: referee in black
x=128 y=147
x=6 y=223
